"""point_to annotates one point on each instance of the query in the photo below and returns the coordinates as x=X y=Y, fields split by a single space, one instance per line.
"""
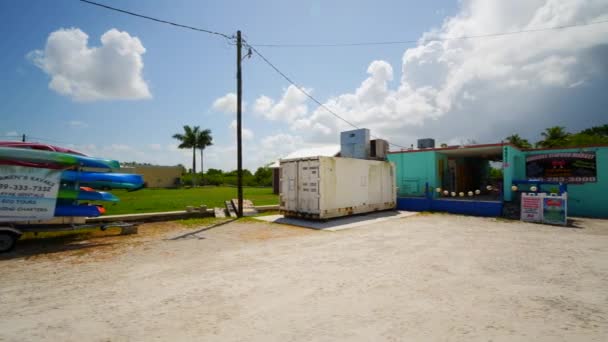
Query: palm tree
x=596 y=130
x=188 y=140
x=203 y=139
x=555 y=136
x=518 y=141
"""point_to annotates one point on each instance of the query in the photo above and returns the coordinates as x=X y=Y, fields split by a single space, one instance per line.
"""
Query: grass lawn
x=155 y=200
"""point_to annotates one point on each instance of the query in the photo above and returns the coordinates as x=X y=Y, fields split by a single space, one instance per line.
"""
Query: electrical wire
x=157 y=20
x=231 y=38
x=29 y=137
x=288 y=79
x=11 y=137
x=319 y=103
x=400 y=42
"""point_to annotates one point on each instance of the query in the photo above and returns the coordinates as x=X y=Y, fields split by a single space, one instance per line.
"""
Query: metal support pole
x=239 y=100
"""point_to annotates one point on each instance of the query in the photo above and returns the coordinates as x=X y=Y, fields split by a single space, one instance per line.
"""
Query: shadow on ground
x=33 y=247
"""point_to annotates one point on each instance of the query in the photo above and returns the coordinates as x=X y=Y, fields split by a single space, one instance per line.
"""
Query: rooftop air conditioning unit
x=426 y=143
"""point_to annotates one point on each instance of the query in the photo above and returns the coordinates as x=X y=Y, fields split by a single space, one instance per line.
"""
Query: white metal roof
x=323 y=151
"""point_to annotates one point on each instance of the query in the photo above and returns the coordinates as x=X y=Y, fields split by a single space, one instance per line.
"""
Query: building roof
x=489 y=148
x=454 y=149
x=322 y=151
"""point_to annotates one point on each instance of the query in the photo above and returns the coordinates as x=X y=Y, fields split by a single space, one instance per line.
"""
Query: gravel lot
x=427 y=277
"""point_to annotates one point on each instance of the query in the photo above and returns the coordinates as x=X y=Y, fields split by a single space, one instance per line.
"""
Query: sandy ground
x=427 y=277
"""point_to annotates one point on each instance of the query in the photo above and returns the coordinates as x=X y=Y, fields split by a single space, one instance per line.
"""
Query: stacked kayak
x=51 y=160
x=78 y=187
x=104 y=180
x=85 y=195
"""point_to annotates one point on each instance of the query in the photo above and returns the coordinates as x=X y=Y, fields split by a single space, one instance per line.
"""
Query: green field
x=155 y=200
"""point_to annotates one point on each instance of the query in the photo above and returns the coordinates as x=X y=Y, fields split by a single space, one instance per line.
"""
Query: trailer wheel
x=7 y=241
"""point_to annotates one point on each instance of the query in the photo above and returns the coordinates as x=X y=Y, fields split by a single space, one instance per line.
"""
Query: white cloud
x=276 y=146
x=553 y=70
x=290 y=107
x=247 y=134
x=226 y=104
x=456 y=80
x=155 y=147
x=263 y=104
x=282 y=141
x=112 y=71
x=77 y=124
x=120 y=147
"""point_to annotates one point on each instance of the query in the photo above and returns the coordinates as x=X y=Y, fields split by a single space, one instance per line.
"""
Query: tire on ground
x=7 y=241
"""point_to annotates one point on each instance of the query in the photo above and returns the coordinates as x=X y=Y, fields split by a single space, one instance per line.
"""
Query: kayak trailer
x=11 y=232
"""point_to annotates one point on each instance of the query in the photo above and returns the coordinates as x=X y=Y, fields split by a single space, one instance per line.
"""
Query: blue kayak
x=102 y=177
x=86 y=195
x=77 y=210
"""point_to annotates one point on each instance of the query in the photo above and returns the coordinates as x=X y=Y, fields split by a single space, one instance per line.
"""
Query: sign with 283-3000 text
x=27 y=193
x=565 y=167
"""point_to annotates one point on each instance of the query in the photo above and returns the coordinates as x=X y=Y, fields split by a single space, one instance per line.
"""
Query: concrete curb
x=166 y=215
x=151 y=217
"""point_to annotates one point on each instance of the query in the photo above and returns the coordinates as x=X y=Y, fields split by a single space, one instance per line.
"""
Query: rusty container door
x=289 y=186
x=308 y=186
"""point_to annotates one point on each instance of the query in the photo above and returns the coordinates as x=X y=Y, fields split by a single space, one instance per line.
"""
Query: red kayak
x=36 y=146
x=39 y=146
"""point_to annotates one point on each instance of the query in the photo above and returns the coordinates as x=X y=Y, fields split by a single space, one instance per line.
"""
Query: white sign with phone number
x=27 y=193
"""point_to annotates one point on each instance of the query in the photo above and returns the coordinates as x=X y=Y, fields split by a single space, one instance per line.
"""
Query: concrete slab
x=231 y=210
x=219 y=212
x=248 y=207
x=339 y=223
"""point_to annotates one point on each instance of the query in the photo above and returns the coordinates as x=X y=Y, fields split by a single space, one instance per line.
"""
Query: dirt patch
x=427 y=277
x=92 y=244
x=261 y=231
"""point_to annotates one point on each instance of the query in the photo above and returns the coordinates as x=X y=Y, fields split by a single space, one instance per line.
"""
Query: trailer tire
x=7 y=241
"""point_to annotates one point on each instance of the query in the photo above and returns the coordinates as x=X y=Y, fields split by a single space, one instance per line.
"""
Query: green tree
x=213 y=177
x=555 y=136
x=215 y=172
x=582 y=139
x=203 y=139
x=263 y=176
x=189 y=140
x=518 y=141
x=596 y=131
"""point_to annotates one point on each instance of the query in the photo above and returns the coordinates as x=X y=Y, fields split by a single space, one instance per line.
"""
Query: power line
x=156 y=19
x=414 y=41
x=48 y=140
x=231 y=38
x=33 y=138
x=288 y=79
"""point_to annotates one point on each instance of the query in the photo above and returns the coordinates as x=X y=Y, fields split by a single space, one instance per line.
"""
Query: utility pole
x=239 y=99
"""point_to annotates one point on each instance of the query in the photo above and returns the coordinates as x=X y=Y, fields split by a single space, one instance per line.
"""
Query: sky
x=117 y=86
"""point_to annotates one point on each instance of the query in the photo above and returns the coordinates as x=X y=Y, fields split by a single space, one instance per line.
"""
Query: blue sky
x=453 y=91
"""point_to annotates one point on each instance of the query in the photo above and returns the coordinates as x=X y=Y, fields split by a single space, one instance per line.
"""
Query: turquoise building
x=479 y=179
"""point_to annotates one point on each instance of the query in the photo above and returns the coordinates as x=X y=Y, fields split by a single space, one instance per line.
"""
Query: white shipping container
x=326 y=187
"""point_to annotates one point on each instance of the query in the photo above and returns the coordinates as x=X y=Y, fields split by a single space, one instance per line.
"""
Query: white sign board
x=27 y=193
x=551 y=209
x=531 y=208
